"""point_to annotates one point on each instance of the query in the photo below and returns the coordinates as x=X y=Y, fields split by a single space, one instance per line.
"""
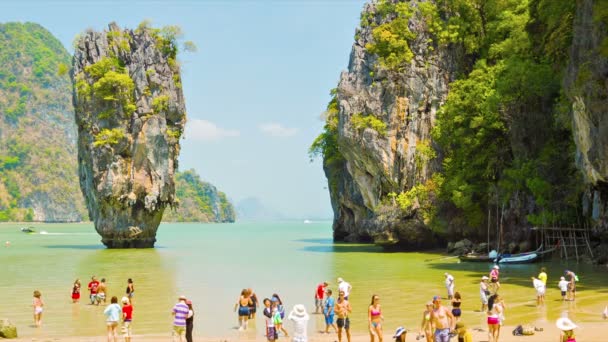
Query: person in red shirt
x=93 y=286
x=127 y=317
x=320 y=295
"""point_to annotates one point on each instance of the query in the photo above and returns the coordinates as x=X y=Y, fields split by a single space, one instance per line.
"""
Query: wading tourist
x=253 y=307
x=571 y=285
x=180 y=313
x=93 y=285
x=130 y=291
x=456 y=302
x=484 y=293
x=375 y=318
x=539 y=286
x=189 y=321
x=112 y=313
x=38 y=304
x=442 y=320
x=494 y=278
x=101 y=291
x=449 y=285
x=76 y=291
x=426 y=326
x=343 y=309
x=567 y=329
x=320 y=295
x=400 y=334
x=328 y=311
x=494 y=311
x=299 y=317
x=345 y=287
x=563 y=287
x=127 y=318
x=242 y=304
x=543 y=275
x=281 y=309
x=271 y=331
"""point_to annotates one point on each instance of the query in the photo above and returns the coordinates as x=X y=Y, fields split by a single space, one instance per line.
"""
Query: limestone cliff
x=384 y=121
x=130 y=114
x=587 y=87
x=38 y=166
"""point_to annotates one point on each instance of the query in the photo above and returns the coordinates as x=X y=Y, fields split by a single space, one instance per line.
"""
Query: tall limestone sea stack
x=130 y=114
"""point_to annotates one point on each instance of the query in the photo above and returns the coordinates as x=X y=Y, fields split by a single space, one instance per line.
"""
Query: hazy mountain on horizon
x=252 y=209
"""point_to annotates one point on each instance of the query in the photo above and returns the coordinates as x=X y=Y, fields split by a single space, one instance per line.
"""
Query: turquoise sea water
x=211 y=263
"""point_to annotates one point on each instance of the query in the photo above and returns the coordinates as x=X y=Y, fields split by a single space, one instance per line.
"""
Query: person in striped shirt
x=180 y=313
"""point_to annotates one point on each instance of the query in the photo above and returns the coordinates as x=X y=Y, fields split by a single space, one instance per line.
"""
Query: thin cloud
x=207 y=131
x=275 y=129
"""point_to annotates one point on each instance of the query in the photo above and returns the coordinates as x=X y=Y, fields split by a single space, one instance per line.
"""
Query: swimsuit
x=243 y=310
x=343 y=323
x=375 y=313
x=456 y=309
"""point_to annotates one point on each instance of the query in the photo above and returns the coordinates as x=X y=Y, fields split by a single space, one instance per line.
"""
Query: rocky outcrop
x=385 y=119
x=38 y=164
x=130 y=114
x=587 y=85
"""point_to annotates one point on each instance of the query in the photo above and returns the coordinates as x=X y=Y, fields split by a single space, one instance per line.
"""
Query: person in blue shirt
x=328 y=311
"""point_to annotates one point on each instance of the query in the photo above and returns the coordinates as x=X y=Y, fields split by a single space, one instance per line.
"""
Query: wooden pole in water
x=489 y=218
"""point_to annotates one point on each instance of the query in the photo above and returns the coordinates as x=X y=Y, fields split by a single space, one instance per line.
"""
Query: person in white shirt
x=300 y=318
x=563 y=287
x=540 y=290
x=449 y=284
x=344 y=287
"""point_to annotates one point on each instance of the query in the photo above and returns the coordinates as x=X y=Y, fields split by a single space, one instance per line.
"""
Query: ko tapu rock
x=130 y=114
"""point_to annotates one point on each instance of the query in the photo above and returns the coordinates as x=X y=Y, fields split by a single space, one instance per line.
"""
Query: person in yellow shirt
x=463 y=334
x=543 y=275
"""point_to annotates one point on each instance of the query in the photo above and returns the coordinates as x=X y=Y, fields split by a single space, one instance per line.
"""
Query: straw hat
x=299 y=311
x=565 y=324
x=399 y=331
x=124 y=300
x=484 y=278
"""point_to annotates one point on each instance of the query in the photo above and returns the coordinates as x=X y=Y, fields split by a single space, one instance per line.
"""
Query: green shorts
x=179 y=330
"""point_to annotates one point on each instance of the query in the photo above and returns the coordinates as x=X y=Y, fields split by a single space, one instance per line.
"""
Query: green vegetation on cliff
x=38 y=170
x=199 y=201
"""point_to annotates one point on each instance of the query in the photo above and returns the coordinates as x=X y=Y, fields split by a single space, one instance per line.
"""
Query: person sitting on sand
x=400 y=334
x=567 y=329
x=443 y=320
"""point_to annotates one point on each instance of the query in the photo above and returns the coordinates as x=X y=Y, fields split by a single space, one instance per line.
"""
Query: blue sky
x=254 y=90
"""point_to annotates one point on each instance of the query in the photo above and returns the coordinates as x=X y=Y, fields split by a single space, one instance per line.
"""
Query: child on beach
x=76 y=291
x=271 y=331
x=463 y=334
x=37 y=304
x=563 y=287
x=567 y=327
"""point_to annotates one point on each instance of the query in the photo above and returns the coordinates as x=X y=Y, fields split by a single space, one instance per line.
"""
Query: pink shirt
x=494 y=273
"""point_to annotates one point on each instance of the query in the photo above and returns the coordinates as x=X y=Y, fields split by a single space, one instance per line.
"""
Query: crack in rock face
x=130 y=114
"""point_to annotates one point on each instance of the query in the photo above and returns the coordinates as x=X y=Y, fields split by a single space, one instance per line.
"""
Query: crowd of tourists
x=439 y=323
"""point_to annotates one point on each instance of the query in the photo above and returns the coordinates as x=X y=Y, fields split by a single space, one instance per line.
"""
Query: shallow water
x=211 y=263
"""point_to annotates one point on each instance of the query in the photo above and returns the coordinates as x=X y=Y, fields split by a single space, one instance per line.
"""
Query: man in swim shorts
x=343 y=309
x=101 y=291
x=443 y=320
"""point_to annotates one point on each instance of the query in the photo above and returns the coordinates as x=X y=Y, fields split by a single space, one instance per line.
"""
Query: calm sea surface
x=211 y=263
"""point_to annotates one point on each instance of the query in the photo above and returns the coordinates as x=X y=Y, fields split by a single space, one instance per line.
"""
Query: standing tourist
x=93 y=285
x=271 y=331
x=426 y=326
x=101 y=291
x=281 y=309
x=253 y=307
x=189 y=321
x=543 y=275
x=540 y=291
x=449 y=285
x=494 y=312
x=243 y=308
x=345 y=287
x=442 y=320
x=112 y=313
x=328 y=311
x=456 y=306
x=571 y=285
x=567 y=329
x=494 y=275
x=127 y=318
x=76 y=291
x=180 y=313
x=38 y=303
x=375 y=318
x=320 y=295
x=300 y=318
x=484 y=293
x=343 y=309
x=130 y=290
x=400 y=334
x=563 y=287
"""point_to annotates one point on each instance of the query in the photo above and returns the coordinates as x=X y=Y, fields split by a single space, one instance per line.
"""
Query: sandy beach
x=586 y=332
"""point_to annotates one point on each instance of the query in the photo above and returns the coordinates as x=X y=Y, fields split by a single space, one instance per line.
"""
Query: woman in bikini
x=426 y=326
x=243 y=308
x=494 y=312
x=375 y=318
x=456 y=301
x=130 y=290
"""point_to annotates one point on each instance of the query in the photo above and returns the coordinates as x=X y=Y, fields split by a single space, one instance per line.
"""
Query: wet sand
x=586 y=332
